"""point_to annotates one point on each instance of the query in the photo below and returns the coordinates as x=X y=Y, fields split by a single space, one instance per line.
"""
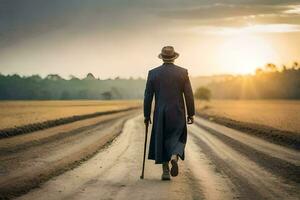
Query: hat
x=168 y=53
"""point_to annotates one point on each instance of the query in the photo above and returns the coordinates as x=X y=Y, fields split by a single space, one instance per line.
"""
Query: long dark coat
x=168 y=83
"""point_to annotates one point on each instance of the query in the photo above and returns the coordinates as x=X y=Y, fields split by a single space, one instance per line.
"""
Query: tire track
x=206 y=177
x=34 y=165
x=244 y=188
x=289 y=171
x=250 y=176
x=5 y=151
x=10 y=132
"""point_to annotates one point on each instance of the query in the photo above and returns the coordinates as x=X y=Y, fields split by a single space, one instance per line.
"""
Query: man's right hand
x=147 y=121
x=190 y=119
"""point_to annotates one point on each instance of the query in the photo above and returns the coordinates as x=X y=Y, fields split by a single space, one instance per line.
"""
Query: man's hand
x=190 y=119
x=147 y=121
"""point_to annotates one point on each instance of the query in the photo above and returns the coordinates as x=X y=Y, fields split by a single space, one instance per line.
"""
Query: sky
x=124 y=37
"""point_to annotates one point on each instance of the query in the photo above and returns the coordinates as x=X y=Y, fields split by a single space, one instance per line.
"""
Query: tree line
x=270 y=82
x=54 y=87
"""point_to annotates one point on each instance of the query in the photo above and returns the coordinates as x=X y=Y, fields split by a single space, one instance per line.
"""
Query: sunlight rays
x=243 y=53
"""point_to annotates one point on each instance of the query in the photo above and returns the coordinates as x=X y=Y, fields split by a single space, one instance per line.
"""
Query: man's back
x=168 y=83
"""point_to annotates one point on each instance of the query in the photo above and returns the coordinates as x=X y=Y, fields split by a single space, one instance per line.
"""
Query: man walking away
x=168 y=83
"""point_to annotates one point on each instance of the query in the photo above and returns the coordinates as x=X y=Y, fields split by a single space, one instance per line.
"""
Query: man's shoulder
x=155 y=69
x=182 y=69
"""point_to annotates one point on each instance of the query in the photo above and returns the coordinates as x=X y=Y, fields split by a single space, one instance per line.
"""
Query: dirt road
x=30 y=159
x=220 y=164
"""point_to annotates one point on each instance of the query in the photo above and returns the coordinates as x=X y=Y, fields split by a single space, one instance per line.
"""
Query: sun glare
x=243 y=53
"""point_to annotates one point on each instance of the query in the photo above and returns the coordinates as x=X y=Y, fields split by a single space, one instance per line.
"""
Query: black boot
x=174 y=163
x=166 y=172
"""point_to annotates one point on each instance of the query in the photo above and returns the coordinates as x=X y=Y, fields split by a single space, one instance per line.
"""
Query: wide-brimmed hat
x=168 y=53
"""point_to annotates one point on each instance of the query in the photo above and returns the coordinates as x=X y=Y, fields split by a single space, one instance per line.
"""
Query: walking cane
x=145 y=145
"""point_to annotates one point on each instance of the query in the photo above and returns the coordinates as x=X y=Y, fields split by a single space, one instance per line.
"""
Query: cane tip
x=141 y=177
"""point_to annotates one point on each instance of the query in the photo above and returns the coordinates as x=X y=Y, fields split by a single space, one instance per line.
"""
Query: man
x=168 y=83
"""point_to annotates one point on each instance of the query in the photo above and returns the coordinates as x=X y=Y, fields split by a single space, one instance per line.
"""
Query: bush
x=203 y=93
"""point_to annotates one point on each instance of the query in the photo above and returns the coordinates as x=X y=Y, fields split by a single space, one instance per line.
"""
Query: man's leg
x=174 y=163
x=166 y=172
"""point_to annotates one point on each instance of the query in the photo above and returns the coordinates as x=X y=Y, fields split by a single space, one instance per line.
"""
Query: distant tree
x=15 y=76
x=295 y=65
x=203 y=93
x=270 y=67
x=258 y=71
x=83 y=94
x=90 y=77
x=54 y=77
x=65 y=95
x=107 y=95
x=284 y=68
x=32 y=94
x=35 y=77
x=46 y=94
x=72 y=77
x=116 y=93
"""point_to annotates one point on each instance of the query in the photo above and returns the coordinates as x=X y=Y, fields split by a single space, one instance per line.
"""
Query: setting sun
x=243 y=53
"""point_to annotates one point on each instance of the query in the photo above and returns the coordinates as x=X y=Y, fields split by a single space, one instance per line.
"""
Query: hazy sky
x=123 y=37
